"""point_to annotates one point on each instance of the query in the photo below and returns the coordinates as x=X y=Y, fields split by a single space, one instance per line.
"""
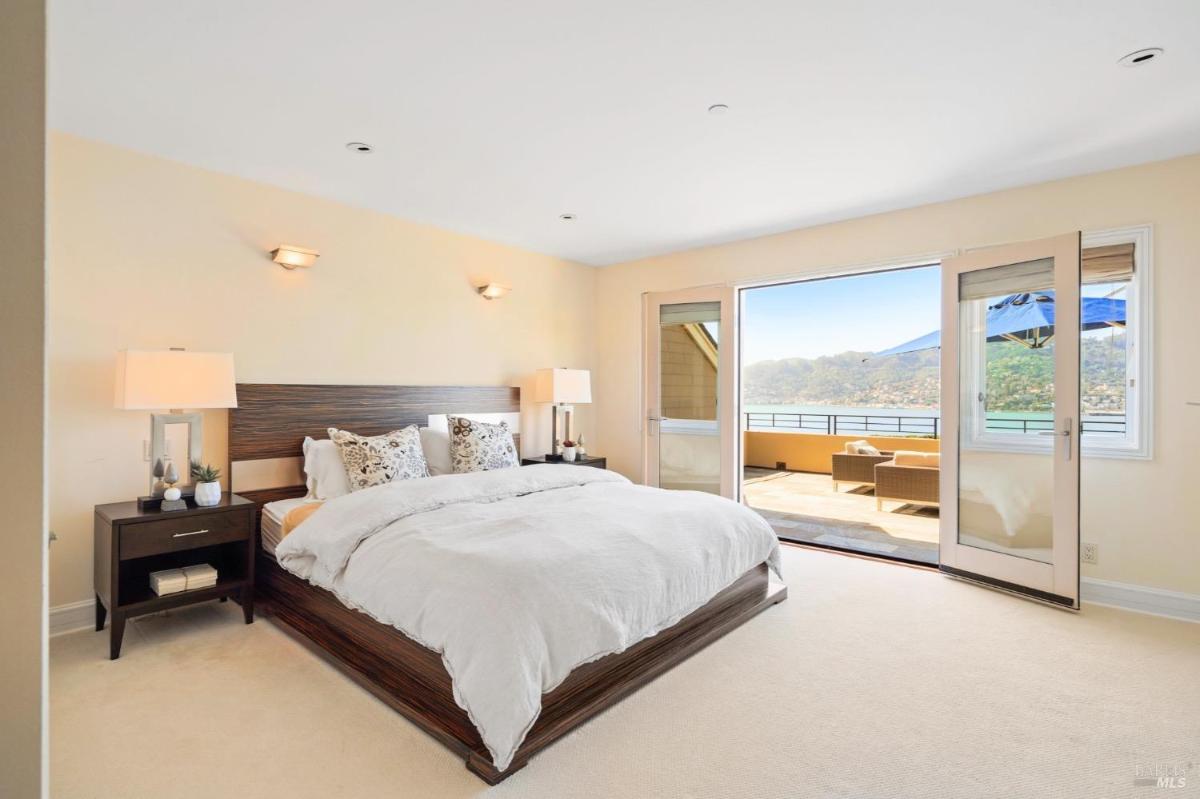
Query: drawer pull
x=184 y=535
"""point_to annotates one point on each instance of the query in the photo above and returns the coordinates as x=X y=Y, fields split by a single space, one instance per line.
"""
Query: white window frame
x=1137 y=443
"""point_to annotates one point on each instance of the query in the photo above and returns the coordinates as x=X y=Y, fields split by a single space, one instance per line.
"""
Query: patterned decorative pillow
x=375 y=460
x=480 y=446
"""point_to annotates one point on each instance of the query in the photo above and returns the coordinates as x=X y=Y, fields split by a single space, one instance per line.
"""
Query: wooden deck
x=804 y=507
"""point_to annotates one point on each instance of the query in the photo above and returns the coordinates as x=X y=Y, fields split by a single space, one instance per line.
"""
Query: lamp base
x=552 y=458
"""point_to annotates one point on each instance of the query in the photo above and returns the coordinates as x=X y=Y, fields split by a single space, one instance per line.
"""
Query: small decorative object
x=201 y=575
x=189 y=578
x=168 y=581
x=208 y=484
x=568 y=451
x=171 y=496
x=160 y=469
x=580 y=448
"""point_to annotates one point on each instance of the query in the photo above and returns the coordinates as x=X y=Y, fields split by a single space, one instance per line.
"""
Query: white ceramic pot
x=208 y=494
x=568 y=454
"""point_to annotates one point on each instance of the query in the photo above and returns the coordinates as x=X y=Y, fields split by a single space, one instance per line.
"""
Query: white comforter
x=517 y=576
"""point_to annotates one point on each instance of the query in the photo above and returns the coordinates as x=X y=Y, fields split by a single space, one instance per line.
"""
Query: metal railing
x=917 y=426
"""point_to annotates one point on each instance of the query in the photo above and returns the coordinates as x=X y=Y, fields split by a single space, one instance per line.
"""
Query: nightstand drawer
x=173 y=535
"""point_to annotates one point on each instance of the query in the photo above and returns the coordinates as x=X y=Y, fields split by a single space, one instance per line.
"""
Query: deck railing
x=918 y=426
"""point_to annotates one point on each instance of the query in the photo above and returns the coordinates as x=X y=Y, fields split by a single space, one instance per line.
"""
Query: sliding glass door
x=689 y=398
x=1010 y=507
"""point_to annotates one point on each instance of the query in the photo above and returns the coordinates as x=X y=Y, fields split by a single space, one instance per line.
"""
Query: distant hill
x=1018 y=378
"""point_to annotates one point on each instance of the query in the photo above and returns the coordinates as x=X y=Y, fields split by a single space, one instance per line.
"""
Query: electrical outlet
x=1088 y=552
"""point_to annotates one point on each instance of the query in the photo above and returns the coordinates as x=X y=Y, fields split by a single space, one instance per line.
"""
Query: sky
x=866 y=313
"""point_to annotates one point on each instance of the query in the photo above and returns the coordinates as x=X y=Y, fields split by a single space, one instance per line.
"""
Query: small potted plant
x=568 y=452
x=208 y=484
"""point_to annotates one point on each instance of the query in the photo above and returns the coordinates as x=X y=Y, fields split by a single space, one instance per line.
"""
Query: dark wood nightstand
x=131 y=543
x=586 y=460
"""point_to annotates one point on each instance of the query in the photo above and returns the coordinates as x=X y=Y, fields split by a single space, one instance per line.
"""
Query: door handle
x=1067 y=433
x=185 y=535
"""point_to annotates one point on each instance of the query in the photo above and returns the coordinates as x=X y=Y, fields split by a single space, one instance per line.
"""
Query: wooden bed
x=265 y=436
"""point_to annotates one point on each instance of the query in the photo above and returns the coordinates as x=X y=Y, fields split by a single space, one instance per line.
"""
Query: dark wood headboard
x=272 y=419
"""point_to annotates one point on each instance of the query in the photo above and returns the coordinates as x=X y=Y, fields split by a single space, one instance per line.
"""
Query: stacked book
x=172 y=581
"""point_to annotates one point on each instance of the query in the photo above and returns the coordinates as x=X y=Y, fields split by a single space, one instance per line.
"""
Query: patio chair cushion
x=860 y=447
x=928 y=460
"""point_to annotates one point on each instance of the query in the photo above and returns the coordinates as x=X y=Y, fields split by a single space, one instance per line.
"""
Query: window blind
x=1108 y=264
x=689 y=313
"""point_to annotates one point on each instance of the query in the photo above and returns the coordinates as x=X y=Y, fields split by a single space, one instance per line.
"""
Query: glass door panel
x=1005 y=499
x=689 y=443
x=1011 y=350
x=689 y=393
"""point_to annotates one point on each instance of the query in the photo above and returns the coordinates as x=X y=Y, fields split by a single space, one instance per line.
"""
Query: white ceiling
x=493 y=118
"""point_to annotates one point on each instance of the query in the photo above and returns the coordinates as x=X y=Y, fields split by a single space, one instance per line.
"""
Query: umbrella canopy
x=1027 y=319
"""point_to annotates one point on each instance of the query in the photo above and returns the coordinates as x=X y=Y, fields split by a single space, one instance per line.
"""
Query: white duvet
x=517 y=576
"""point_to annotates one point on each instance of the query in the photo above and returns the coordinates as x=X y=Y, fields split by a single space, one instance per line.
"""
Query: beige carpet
x=872 y=680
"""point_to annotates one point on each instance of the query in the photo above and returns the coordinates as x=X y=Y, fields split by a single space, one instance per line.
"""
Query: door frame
x=728 y=388
x=1056 y=582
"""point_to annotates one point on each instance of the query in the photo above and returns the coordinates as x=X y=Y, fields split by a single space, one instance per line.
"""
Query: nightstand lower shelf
x=149 y=602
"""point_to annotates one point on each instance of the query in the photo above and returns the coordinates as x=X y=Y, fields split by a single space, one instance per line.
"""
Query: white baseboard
x=70 y=618
x=1138 y=598
x=1141 y=599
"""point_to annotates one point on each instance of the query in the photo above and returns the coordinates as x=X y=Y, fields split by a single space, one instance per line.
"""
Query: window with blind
x=1115 y=379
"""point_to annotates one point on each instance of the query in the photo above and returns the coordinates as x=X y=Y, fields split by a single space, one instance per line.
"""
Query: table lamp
x=161 y=380
x=562 y=387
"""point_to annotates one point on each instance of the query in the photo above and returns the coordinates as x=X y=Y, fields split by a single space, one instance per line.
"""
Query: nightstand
x=131 y=543
x=586 y=460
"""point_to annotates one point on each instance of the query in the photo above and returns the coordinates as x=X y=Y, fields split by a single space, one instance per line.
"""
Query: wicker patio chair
x=912 y=485
x=856 y=469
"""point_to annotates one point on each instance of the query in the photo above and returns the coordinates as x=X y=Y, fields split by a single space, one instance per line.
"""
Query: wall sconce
x=492 y=291
x=289 y=256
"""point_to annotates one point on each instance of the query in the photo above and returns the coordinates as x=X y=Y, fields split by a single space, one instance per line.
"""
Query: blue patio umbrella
x=1027 y=319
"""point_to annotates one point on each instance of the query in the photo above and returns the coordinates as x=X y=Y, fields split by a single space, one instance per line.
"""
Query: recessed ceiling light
x=719 y=108
x=1142 y=57
x=567 y=217
x=359 y=147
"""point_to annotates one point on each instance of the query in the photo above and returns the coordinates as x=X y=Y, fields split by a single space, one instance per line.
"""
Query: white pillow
x=860 y=447
x=325 y=471
x=436 y=445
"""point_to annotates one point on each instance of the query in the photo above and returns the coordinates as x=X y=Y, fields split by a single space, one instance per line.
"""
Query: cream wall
x=1141 y=514
x=22 y=399
x=147 y=253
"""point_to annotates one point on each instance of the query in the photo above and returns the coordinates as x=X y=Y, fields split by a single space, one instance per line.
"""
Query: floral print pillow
x=480 y=446
x=375 y=460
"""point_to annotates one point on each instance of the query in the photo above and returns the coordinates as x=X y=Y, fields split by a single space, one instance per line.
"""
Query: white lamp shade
x=155 y=380
x=568 y=386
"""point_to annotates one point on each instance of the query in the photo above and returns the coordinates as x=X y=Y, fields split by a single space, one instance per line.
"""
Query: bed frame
x=270 y=424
